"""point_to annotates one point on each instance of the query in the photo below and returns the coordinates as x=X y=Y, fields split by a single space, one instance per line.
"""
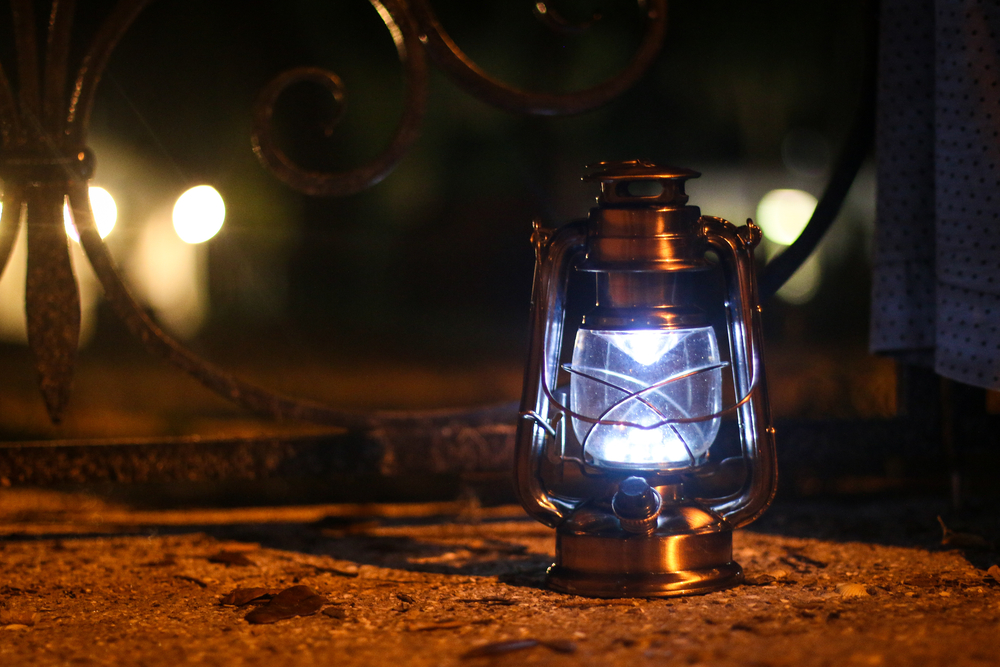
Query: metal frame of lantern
x=627 y=529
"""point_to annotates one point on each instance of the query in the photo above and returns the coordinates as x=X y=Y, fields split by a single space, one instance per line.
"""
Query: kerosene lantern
x=627 y=462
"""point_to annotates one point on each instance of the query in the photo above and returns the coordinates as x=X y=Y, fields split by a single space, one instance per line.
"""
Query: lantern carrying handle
x=734 y=246
x=556 y=252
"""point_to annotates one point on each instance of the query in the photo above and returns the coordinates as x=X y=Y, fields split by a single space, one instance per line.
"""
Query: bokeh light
x=105 y=214
x=783 y=214
x=199 y=214
x=804 y=283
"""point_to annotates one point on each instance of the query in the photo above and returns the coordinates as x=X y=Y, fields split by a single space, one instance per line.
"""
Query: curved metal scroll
x=404 y=34
x=414 y=27
x=477 y=82
x=44 y=159
x=735 y=249
x=241 y=392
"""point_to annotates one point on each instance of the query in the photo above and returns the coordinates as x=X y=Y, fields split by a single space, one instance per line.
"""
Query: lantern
x=660 y=446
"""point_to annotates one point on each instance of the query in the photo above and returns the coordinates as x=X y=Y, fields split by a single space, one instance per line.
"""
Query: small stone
x=758 y=580
x=338 y=613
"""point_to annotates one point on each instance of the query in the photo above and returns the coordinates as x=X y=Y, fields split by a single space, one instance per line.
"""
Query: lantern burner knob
x=637 y=505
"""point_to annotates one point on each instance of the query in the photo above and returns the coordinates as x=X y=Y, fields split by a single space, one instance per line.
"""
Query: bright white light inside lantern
x=620 y=376
x=199 y=214
x=643 y=346
x=783 y=214
x=105 y=213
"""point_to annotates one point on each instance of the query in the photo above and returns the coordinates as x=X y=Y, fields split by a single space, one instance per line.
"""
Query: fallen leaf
x=758 y=580
x=403 y=597
x=441 y=625
x=560 y=646
x=193 y=580
x=499 y=648
x=492 y=600
x=994 y=572
x=958 y=540
x=291 y=602
x=333 y=570
x=230 y=558
x=446 y=625
x=242 y=596
x=802 y=558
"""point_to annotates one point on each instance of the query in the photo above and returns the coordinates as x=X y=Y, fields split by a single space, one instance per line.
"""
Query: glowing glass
x=626 y=376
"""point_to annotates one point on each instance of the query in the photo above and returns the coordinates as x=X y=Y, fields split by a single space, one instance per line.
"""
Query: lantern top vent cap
x=634 y=170
x=660 y=185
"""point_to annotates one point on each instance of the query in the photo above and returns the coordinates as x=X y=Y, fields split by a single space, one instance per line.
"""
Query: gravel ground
x=83 y=582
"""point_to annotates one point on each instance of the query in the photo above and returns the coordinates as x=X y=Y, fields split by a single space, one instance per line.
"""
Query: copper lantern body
x=636 y=463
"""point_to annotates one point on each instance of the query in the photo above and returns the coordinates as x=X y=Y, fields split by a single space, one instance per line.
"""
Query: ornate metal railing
x=45 y=159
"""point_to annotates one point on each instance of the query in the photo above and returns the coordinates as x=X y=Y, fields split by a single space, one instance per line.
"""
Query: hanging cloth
x=936 y=265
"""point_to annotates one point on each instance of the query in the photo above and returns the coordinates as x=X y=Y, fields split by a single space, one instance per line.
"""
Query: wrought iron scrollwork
x=446 y=55
x=404 y=32
x=44 y=155
x=414 y=27
x=44 y=160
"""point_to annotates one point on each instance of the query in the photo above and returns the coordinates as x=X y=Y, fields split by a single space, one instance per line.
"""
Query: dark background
x=430 y=271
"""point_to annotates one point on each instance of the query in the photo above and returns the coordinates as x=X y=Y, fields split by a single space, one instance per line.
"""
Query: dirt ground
x=84 y=582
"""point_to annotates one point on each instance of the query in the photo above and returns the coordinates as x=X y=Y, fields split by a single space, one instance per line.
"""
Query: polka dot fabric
x=936 y=284
x=903 y=280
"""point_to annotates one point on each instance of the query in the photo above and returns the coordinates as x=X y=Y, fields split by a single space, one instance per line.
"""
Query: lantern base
x=622 y=566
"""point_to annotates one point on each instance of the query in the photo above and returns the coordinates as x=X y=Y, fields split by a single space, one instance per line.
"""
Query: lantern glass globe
x=641 y=379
